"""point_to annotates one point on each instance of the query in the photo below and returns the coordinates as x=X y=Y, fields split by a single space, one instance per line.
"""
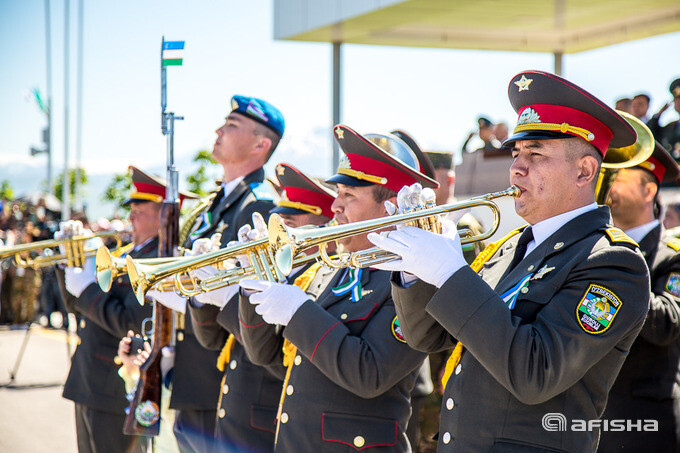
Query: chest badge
x=541 y=272
x=673 y=284
x=597 y=309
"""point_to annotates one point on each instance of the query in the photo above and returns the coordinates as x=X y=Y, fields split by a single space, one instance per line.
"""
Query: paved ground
x=33 y=415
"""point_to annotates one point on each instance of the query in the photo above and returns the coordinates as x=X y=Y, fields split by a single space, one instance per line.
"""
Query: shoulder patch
x=261 y=191
x=674 y=243
x=616 y=235
x=673 y=284
x=396 y=330
x=597 y=309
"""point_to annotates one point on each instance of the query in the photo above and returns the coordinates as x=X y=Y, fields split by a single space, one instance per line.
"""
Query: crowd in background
x=28 y=294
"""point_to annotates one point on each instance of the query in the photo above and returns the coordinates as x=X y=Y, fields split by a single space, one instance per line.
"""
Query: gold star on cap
x=280 y=170
x=524 y=83
x=339 y=132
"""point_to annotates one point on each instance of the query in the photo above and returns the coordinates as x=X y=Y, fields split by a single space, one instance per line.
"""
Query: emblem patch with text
x=597 y=309
x=396 y=330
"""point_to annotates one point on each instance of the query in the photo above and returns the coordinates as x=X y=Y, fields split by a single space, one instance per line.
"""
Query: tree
x=196 y=180
x=59 y=184
x=6 y=191
x=118 y=189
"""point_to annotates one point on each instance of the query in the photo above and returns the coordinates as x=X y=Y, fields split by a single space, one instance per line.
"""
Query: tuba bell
x=629 y=156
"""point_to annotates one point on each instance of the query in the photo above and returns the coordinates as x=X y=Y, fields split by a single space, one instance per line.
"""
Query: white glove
x=276 y=302
x=431 y=257
x=204 y=245
x=169 y=299
x=167 y=360
x=248 y=234
x=77 y=279
x=218 y=297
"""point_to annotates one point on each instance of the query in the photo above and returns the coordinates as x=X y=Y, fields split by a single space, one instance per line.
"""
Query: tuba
x=626 y=157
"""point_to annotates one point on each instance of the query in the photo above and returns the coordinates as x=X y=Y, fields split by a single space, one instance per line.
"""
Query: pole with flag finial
x=144 y=413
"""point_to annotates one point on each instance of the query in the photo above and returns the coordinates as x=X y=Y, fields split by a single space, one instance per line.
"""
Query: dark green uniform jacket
x=556 y=352
x=353 y=373
x=648 y=386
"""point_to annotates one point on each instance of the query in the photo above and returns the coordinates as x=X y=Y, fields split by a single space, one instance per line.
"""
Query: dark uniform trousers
x=648 y=386
x=93 y=383
x=537 y=358
x=351 y=378
x=196 y=380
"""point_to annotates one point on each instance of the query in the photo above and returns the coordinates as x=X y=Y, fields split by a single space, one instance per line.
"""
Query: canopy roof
x=562 y=26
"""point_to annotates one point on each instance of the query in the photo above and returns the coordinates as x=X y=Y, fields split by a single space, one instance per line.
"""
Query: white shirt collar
x=231 y=185
x=543 y=229
x=639 y=232
x=139 y=246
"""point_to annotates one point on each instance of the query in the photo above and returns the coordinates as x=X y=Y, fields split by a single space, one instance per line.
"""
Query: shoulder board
x=616 y=235
x=674 y=243
x=261 y=191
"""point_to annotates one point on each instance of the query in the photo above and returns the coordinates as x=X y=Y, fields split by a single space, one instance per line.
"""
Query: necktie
x=526 y=237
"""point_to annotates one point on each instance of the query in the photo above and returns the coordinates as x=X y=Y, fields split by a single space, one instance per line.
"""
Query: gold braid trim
x=187 y=222
x=554 y=127
x=301 y=206
x=289 y=349
x=484 y=256
x=225 y=354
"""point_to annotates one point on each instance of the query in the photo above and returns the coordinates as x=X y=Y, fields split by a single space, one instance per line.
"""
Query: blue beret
x=261 y=111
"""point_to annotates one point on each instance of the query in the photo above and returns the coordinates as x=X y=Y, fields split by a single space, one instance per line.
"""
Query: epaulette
x=261 y=191
x=618 y=236
x=674 y=243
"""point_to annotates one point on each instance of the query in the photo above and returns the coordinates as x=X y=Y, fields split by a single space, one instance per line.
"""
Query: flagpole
x=65 y=202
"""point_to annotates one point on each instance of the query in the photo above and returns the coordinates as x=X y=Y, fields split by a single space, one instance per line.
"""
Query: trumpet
x=75 y=251
x=144 y=276
x=289 y=242
x=109 y=266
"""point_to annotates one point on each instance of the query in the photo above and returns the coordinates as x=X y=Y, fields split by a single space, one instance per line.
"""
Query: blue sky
x=434 y=94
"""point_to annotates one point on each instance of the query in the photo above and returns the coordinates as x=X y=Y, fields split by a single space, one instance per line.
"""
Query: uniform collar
x=229 y=187
x=639 y=232
x=545 y=228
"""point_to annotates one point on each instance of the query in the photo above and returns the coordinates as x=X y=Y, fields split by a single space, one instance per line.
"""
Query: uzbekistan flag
x=173 y=52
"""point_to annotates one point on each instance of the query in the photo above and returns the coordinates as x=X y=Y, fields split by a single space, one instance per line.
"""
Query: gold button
x=449 y=403
x=284 y=418
x=289 y=390
x=233 y=364
x=446 y=438
x=558 y=245
x=343 y=316
x=82 y=323
x=359 y=441
x=225 y=389
x=222 y=413
x=298 y=360
x=530 y=268
x=459 y=368
x=180 y=336
x=524 y=290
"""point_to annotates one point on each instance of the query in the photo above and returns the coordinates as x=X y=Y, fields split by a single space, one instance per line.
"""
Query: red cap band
x=556 y=118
